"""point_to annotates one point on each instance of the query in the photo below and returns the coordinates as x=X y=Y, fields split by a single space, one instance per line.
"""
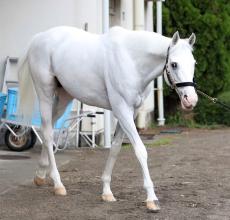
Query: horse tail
x=27 y=93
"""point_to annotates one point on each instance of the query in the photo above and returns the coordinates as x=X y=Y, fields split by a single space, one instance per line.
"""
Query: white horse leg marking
x=107 y=194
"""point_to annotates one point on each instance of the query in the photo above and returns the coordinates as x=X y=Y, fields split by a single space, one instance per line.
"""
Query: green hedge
x=210 y=21
x=210 y=113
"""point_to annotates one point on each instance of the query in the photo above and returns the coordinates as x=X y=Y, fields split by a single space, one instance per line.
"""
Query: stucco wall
x=20 y=20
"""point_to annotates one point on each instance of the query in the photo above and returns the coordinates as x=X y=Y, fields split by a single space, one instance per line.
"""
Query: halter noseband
x=169 y=79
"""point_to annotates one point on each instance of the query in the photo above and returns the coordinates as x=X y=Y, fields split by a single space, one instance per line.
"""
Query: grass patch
x=211 y=126
x=192 y=124
x=160 y=142
x=126 y=146
x=156 y=143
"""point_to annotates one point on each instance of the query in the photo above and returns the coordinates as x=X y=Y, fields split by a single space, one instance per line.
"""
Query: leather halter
x=168 y=77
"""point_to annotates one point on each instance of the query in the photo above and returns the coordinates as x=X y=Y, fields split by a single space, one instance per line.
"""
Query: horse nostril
x=186 y=97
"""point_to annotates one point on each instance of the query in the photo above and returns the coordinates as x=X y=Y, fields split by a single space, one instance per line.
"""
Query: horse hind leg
x=62 y=98
x=45 y=88
x=47 y=129
x=107 y=194
x=43 y=166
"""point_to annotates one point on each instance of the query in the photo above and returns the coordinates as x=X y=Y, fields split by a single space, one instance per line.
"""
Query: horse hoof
x=60 y=191
x=108 y=198
x=39 y=181
x=153 y=206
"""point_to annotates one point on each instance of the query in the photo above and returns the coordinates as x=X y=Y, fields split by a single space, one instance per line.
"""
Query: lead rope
x=214 y=100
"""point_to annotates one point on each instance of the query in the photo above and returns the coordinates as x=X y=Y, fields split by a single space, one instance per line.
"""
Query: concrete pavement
x=18 y=168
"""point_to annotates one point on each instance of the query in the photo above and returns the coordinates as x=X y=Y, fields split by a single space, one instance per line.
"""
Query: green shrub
x=210 y=21
x=209 y=113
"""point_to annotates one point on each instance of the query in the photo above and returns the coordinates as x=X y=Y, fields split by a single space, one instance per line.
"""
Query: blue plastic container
x=2 y=103
x=11 y=112
x=36 y=117
x=11 y=109
x=60 y=123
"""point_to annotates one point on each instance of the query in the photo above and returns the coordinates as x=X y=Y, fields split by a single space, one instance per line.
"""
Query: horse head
x=179 y=70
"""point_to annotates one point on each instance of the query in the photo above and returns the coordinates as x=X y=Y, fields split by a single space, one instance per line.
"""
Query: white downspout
x=139 y=19
x=149 y=27
x=139 y=24
x=149 y=16
x=148 y=105
x=161 y=119
x=107 y=114
x=126 y=14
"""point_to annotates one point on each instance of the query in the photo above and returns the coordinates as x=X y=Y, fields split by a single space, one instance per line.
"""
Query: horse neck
x=149 y=51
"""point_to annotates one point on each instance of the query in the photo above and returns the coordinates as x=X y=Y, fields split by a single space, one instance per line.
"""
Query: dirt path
x=191 y=177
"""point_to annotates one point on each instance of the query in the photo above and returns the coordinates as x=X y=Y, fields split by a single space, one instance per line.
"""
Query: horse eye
x=174 y=65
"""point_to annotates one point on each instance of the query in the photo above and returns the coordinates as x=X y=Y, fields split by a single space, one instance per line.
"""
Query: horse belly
x=89 y=93
x=84 y=83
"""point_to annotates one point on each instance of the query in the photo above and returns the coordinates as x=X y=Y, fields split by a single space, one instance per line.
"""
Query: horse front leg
x=107 y=194
x=125 y=115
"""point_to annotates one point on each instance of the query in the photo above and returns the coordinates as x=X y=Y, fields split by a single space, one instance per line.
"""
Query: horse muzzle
x=189 y=102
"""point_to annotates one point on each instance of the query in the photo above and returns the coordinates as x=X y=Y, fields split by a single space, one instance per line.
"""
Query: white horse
x=111 y=71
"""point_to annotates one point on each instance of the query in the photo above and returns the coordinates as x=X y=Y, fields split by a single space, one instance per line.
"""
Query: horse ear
x=192 y=39
x=175 y=38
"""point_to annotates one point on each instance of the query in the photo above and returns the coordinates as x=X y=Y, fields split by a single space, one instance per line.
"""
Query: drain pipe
x=144 y=114
x=139 y=24
x=126 y=14
x=139 y=19
x=161 y=119
x=107 y=114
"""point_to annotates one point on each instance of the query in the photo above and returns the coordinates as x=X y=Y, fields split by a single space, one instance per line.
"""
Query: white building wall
x=20 y=20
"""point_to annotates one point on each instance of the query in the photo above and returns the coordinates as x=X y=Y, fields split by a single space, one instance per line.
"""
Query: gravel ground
x=190 y=172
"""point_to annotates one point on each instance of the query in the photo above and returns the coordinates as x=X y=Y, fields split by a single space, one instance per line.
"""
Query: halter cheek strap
x=169 y=80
